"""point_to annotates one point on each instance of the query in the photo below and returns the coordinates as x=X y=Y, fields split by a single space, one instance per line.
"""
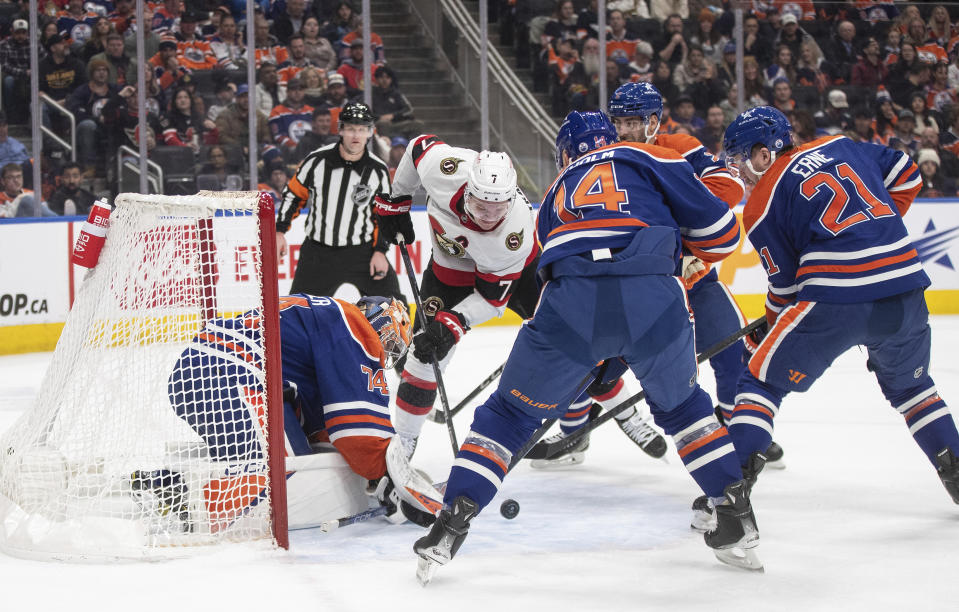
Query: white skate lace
x=639 y=430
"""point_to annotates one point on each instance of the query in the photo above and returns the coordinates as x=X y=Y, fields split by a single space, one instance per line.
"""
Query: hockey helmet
x=392 y=323
x=356 y=113
x=581 y=133
x=763 y=125
x=490 y=188
x=636 y=100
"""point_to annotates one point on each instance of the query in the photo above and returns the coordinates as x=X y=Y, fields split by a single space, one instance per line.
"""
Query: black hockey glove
x=393 y=217
x=445 y=330
x=753 y=340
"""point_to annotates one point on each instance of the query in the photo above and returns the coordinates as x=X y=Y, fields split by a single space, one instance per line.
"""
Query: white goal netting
x=150 y=432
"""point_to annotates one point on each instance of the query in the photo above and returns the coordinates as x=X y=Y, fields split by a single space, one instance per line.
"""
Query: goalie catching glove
x=693 y=269
x=393 y=217
x=445 y=330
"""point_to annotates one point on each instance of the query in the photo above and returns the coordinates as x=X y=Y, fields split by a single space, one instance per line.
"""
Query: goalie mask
x=490 y=189
x=391 y=321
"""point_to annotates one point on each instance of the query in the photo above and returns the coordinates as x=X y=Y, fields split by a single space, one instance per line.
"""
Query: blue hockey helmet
x=389 y=319
x=583 y=132
x=762 y=125
x=636 y=100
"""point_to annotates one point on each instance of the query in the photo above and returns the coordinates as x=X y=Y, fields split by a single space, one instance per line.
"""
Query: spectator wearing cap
x=193 y=52
x=834 y=118
x=886 y=119
x=124 y=16
x=291 y=119
x=75 y=24
x=319 y=135
x=276 y=177
x=869 y=71
x=70 y=198
x=269 y=91
x=620 y=46
x=347 y=46
x=391 y=109
x=336 y=97
x=640 y=70
x=289 y=21
x=296 y=60
x=934 y=183
x=15 y=59
x=227 y=45
x=783 y=95
x=352 y=67
x=726 y=66
x=791 y=34
x=122 y=69
x=904 y=138
x=671 y=47
x=233 y=126
x=708 y=37
x=398 y=146
x=60 y=73
x=166 y=18
x=165 y=65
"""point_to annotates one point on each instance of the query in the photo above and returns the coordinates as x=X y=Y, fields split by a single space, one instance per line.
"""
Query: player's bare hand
x=379 y=266
x=280 y=245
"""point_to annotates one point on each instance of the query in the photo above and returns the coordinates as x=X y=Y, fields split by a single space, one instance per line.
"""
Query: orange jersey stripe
x=756 y=407
x=929 y=401
x=777 y=330
x=362 y=331
x=702 y=442
x=701 y=244
x=904 y=199
x=479 y=450
x=578 y=225
x=236 y=348
x=358 y=418
x=848 y=269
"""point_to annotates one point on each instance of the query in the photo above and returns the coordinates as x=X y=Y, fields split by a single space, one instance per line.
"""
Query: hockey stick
x=440 y=417
x=359 y=517
x=560 y=446
x=421 y=316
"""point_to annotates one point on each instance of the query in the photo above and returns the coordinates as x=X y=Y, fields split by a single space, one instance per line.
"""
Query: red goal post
x=158 y=427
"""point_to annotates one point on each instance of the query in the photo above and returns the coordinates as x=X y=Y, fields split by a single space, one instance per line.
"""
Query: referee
x=338 y=183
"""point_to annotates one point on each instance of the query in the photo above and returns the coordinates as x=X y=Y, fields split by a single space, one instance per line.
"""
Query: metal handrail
x=151 y=165
x=56 y=106
x=151 y=180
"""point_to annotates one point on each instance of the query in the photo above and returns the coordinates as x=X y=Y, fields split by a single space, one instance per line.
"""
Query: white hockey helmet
x=492 y=179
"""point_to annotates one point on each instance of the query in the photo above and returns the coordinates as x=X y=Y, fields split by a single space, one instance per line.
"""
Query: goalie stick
x=555 y=448
x=436 y=366
x=359 y=517
x=438 y=416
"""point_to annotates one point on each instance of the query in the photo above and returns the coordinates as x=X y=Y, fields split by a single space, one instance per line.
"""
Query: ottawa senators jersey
x=463 y=254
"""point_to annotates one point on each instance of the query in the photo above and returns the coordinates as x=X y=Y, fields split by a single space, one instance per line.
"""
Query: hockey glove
x=393 y=217
x=445 y=330
x=753 y=339
x=694 y=269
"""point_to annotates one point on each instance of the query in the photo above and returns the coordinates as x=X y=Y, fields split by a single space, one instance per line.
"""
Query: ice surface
x=857 y=521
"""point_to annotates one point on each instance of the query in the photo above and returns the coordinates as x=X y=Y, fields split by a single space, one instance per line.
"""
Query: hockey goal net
x=145 y=440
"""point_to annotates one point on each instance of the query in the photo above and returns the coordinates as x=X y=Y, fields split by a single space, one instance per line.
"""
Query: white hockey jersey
x=463 y=254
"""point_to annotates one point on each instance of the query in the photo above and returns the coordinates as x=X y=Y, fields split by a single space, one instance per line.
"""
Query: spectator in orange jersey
x=166 y=66
x=297 y=60
x=619 y=44
x=193 y=52
x=376 y=46
x=266 y=47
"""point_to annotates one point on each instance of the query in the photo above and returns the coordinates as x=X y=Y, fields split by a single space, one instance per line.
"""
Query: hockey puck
x=509 y=509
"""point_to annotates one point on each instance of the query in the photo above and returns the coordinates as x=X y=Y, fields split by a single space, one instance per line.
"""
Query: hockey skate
x=949 y=472
x=735 y=536
x=397 y=510
x=704 y=517
x=439 y=546
x=162 y=494
x=638 y=429
x=774 y=456
x=570 y=456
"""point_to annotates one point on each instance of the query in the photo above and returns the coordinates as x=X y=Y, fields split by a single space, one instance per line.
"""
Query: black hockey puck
x=509 y=509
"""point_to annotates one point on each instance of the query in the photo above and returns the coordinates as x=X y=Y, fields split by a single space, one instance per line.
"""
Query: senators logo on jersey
x=452 y=247
x=514 y=240
x=450 y=165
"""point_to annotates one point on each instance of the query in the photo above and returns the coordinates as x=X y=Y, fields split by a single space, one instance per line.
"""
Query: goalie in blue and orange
x=333 y=354
x=826 y=220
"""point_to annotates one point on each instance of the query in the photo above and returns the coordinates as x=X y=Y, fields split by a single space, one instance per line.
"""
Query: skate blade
x=743 y=558
x=561 y=462
x=425 y=569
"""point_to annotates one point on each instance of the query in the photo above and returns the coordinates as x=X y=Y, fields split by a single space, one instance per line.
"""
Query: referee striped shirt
x=339 y=194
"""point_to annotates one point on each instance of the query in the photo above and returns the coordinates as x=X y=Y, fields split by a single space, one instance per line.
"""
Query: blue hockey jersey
x=826 y=221
x=603 y=198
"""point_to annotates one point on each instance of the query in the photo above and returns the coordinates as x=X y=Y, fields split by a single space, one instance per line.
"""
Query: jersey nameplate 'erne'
x=826 y=220
x=460 y=247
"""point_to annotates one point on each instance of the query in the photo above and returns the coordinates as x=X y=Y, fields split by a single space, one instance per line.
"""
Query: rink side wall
x=37 y=282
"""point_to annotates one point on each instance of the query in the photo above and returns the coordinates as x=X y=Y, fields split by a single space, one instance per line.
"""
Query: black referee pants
x=321 y=270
